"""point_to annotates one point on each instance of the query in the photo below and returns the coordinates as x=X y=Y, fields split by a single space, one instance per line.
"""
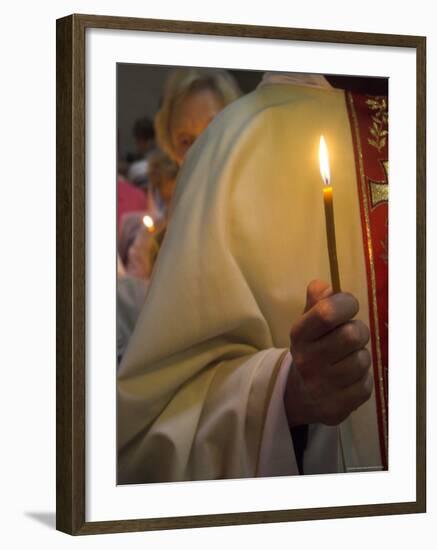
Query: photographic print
x=252 y=291
x=229 y=201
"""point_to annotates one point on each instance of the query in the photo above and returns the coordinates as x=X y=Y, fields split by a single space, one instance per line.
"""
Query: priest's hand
x=330 y=375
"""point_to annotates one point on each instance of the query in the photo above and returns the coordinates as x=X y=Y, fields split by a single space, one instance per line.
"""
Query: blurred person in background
x=162 y=175
x=142 y=232
x=144 y=137
x=192 y=98
x=163 y=172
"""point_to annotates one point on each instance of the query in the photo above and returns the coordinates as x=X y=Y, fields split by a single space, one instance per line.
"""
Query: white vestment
x=200 y=389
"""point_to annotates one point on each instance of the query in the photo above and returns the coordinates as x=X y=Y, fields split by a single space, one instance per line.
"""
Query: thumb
x=316 y=291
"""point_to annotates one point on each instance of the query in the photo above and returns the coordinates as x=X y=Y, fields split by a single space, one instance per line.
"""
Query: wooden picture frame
x=71 y=254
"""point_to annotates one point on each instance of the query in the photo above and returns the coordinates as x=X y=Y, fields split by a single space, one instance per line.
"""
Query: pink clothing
x=129 y=199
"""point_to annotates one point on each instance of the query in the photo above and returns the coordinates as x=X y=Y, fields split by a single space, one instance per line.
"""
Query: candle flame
x=324 y=161
x=148 y=222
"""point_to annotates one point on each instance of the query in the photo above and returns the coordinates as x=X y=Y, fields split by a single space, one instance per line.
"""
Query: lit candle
x=329 y=215
x=148 y=222
x=332 y=250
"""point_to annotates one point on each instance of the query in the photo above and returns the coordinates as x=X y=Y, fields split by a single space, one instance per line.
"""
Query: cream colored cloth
x=298 y=79
x=246 y=236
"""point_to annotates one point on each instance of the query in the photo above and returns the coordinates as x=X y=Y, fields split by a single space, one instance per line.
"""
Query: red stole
x=368 y=117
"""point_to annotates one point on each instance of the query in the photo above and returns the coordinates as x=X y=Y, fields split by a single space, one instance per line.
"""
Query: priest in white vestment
x=201 y=388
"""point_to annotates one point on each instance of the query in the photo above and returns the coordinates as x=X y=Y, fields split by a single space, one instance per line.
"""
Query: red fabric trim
x=369 y=125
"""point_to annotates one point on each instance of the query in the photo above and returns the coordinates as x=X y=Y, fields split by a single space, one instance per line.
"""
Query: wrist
x=297 y=408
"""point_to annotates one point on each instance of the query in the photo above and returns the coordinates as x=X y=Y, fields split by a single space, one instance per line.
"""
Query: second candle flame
x=324 y=161
x=148 y=222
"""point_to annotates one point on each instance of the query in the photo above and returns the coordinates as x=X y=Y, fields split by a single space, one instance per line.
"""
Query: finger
x=349 y=399
x=350 y=369
x=316 y=291
x=342 y=341
x=325 y=316
x=355 y=395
